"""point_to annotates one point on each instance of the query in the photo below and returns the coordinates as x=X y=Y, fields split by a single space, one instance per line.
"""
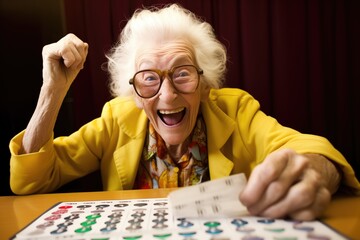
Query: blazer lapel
x=133 y=125
x=219 y=129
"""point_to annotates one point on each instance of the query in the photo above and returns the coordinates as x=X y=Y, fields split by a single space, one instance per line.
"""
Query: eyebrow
x=176 y=61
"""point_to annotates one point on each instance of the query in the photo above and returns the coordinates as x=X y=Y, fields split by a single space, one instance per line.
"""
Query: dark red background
x=299 y=58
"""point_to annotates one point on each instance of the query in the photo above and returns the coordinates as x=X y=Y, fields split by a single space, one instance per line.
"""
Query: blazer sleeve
x=60 y=160
x=265 y=134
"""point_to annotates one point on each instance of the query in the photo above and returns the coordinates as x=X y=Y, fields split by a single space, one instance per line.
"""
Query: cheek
x=146 y=105
x=140 y=103
x=194 y=108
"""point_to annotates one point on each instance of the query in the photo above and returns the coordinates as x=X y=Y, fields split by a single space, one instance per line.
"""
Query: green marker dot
x=162 y=236
x=275 y=229
x=212 y=224
x=93 y=216
x=83 y=229
x=88 y=222
x=132 y=237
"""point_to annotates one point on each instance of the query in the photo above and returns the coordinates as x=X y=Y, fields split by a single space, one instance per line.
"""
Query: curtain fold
x=299 y=58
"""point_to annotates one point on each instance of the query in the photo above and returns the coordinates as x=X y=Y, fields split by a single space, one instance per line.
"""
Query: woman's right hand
x=62 y=61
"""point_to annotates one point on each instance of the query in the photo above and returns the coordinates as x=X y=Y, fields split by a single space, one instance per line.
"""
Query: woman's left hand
x=293 y=185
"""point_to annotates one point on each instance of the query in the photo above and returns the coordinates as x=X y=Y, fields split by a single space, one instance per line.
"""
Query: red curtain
x=300 y=59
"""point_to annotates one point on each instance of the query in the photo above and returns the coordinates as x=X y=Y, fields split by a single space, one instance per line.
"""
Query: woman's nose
x=167 y=91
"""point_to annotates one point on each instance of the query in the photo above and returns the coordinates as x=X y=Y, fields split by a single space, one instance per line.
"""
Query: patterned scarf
x=158 y=170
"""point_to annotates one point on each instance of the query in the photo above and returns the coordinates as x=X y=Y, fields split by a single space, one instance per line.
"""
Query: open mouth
x=172 y=117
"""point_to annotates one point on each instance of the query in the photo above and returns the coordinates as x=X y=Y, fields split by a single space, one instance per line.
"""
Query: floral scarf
x=158 y=170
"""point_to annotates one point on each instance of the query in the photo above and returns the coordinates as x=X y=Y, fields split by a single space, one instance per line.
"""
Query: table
x=16 y=212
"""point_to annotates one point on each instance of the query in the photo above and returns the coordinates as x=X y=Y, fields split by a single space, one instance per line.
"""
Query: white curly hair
x=171 y=22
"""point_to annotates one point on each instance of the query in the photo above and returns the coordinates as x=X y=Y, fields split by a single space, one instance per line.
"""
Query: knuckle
x=304 y=215
x=302 y=162
x=276 y=211
x=277 y=188
x=307 y=194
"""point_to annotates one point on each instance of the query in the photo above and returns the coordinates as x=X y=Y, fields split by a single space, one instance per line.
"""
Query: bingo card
x=206 y=217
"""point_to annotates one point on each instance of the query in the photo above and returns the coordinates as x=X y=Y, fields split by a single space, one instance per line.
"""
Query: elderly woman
x=170 y=124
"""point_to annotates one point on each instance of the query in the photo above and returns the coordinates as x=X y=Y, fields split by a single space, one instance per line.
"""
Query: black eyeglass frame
x=162 y=74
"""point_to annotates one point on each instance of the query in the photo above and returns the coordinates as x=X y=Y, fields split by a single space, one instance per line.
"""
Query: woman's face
x=172 y=114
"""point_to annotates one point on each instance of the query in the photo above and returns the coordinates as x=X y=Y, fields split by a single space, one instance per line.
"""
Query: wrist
x=328 y=169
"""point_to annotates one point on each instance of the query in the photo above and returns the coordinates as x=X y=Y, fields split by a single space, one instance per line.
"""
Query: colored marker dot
x=59 y=230
x=53 y=217
x=274 y=229
x=88 y=222
x=65 y=224
x=162 y=236
x=185 y=224
x=140 y=204
x=132 y=237
x=93 y=216
x=266 y=221
x=239 y=222
x=314 y=236
x=214 y=231
x=84 y=229
x=108 y=228
x=160 y=203
x=115 y=215
x=245 y=229
x=83 y=206
x=72 y=217
x=45 y=224
x=252 y=238
x=121 y=205
x=102 y=206
x=303 y=228
x=138 y=215
x=61 y=211
x=285 y=238
x=65 y=207
x=187 y=234
x=212 y=224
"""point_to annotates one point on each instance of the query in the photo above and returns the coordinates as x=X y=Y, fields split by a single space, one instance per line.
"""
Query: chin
x=173 y=139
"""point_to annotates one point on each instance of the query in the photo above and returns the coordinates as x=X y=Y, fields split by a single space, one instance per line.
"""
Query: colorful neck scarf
x=158 y=170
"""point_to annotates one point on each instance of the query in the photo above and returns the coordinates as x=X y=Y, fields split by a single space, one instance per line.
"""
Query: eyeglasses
x=184 y=78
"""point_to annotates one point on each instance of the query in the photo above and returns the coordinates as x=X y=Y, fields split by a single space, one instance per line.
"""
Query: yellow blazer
x=239 y=136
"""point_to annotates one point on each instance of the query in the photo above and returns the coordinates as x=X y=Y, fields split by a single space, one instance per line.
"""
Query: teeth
x=171 y=111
